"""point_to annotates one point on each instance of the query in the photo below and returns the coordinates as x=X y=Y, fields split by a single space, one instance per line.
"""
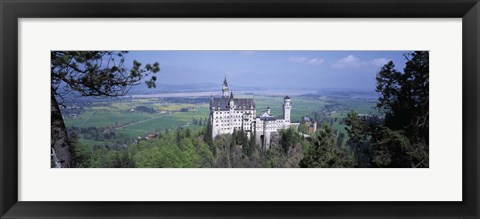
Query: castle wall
x=267 y=128
x=225 y=122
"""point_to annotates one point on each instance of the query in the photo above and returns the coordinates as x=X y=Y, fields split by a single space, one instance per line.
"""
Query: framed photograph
x=254 y=109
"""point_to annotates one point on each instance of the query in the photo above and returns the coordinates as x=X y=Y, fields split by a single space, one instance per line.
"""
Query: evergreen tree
x=207 y=137
x=404 y=98
x=359 y=141
x=325 y=154
x=288 y=139
x=252 y=145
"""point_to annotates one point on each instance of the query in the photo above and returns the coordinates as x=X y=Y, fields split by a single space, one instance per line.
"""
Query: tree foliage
x=325 y=154
x=392 y=148
x=402 y=139
x=97 y=73
x=288 y=139
x=359 y=141
x=404 y=96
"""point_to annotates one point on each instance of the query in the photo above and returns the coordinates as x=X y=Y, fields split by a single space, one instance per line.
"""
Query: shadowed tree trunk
x=61 y=148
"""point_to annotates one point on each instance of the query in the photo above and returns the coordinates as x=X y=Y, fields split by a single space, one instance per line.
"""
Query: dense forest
x=185 y=148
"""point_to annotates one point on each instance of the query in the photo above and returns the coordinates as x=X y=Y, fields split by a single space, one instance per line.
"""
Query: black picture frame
x=12 y=10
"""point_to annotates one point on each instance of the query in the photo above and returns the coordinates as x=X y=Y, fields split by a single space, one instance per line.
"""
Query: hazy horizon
x=353 y=70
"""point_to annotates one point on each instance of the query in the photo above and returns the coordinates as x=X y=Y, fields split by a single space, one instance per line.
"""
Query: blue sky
x=272 y=69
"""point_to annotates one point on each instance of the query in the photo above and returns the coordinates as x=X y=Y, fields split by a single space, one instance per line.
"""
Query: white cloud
x=316 y=61
x=352 y=61
x=380 y=62
x=302 y=59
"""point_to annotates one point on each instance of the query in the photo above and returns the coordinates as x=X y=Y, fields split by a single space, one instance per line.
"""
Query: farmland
x=133 y=117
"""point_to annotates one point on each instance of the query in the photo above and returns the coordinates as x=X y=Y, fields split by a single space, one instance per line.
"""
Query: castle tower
x=287 y=107
x=268 y=110
x=225 y=88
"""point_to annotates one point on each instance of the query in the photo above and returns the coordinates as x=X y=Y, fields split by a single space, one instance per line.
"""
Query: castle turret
x=287 y=107
x=225 y=89
x=232 y=101
x=268 y=110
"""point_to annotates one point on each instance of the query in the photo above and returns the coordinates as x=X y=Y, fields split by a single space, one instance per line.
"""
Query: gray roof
x=265 y=116
x=223 y=103
x=268 y=118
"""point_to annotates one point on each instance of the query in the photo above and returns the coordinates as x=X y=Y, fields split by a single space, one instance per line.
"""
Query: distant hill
x=345 y=92
x=188 y=87
x=167 y=88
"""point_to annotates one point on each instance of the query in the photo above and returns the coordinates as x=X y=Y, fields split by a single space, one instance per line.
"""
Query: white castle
x=228 y=114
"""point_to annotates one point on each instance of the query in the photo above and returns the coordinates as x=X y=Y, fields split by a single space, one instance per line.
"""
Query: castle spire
x=225 y=81
x=231 y=95
x=225 y=87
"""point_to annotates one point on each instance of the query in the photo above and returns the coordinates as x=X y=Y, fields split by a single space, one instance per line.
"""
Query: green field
x=116 y=115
